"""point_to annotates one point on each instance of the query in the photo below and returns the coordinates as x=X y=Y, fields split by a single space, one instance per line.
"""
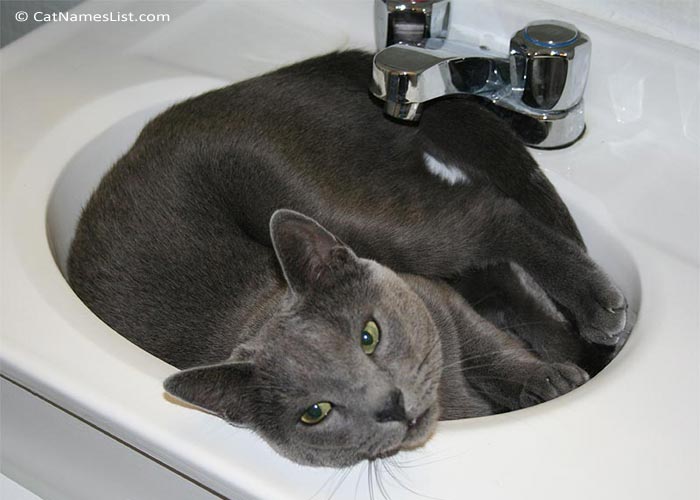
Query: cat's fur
x=184 y=250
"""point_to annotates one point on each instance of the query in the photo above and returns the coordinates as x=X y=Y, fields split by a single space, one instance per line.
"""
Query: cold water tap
x=537 y=86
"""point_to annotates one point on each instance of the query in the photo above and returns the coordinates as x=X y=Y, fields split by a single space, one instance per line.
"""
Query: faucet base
x=552 y=130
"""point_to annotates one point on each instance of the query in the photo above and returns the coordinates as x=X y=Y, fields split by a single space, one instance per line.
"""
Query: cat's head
x=347 y=369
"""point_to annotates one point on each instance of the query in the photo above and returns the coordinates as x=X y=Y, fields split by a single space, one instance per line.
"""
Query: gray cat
x=346 y=333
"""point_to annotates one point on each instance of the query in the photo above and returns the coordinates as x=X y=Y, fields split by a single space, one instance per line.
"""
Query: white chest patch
x=448 y=173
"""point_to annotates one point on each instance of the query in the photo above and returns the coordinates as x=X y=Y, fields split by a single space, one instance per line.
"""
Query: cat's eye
x=370 y=337
x=316 y=412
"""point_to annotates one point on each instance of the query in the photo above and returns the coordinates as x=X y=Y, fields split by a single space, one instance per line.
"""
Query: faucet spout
x=406 y=77
x=538 y=85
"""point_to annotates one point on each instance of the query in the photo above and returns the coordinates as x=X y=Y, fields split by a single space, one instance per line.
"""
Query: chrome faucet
x=538 y=87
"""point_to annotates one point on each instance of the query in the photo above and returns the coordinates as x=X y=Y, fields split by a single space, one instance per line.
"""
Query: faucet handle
x=549 y=62
x=409 y=21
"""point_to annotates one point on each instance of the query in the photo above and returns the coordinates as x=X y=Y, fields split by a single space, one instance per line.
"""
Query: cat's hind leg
x=526 y=223
x=513 y=302
x=505 y=369
x=574 y=282
x=464 y=142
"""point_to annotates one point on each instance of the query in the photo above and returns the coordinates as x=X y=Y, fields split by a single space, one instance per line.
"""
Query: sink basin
x=75 y=96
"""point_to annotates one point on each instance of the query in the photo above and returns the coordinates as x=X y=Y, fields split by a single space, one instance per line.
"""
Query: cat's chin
x=417 y=434
x=424 y=428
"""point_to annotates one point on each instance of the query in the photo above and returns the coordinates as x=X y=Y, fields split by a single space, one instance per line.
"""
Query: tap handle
x=409 y=21
x=549 y=63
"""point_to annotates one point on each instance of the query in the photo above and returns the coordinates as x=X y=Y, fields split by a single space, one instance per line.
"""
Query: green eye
x=370 y=337
x=315 y=413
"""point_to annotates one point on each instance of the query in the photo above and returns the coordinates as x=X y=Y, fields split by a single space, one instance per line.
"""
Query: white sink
x=75 y=96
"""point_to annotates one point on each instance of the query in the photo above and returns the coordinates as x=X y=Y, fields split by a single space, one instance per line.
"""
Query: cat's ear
x=220 y=389
x=307 y=252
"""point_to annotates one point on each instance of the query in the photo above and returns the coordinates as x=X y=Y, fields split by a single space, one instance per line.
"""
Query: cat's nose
x=394 y=410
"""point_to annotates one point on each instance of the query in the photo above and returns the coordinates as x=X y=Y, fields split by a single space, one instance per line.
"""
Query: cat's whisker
x=436 y=342
x=401 y=461
x=472 y=367
x=334 y=481
x=370 y=486
x=392 y=463
x=485 y=354
x=378 y=479
x=428 y=459
x=346 y=472
x=325 y=483
x=359 y=476
x=387 y=467
x=493 y=377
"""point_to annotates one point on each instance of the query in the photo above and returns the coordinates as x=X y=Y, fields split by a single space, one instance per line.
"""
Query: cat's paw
x=603 y=315
x=550 y=380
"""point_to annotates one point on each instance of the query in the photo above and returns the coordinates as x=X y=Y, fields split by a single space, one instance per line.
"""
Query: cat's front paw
x=550 y=380
x=603 y=315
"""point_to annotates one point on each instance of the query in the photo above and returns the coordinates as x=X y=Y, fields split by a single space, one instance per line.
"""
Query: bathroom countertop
x=631 y=432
